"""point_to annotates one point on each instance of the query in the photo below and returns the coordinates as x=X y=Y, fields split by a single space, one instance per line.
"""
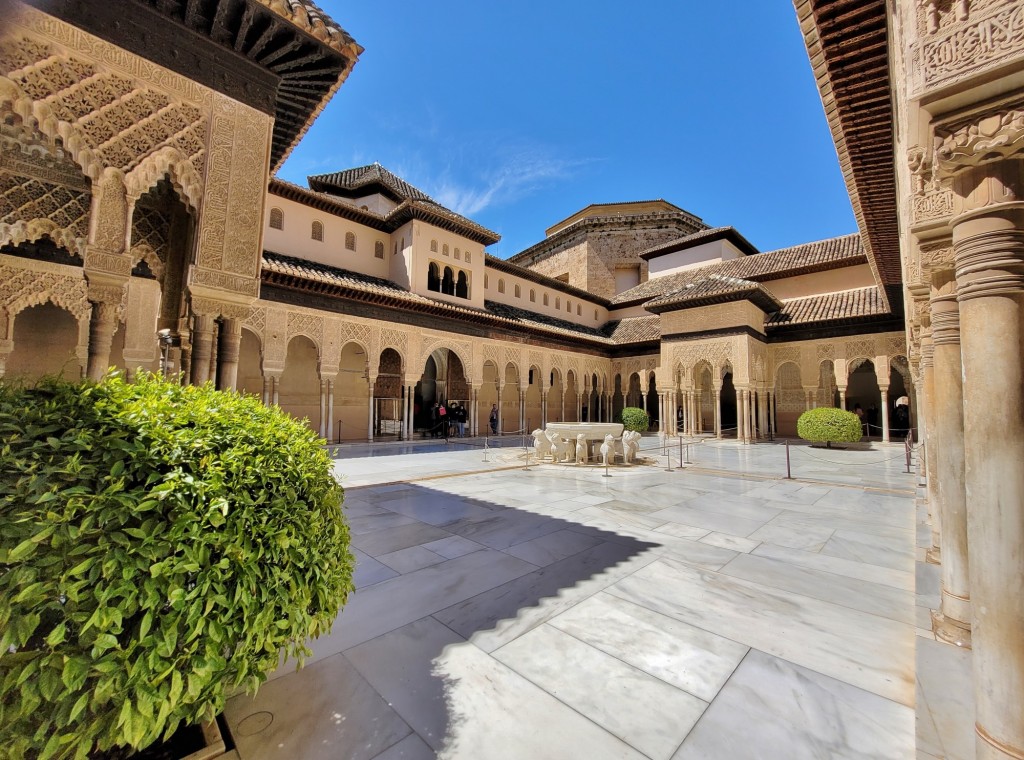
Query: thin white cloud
x=515 y=176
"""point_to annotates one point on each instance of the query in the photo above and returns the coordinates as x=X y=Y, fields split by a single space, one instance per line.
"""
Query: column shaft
x=202 y=348
x=227 y=354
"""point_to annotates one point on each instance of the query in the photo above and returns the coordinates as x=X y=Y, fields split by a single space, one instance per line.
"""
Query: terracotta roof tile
x=323 y=278
x=697 y=238
x=351 y=180
x=785 y=262
x=715 y=288
x=633 y=329
x=830 y=307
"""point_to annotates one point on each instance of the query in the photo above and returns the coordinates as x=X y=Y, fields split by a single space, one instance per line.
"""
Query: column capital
x=945 y=320
x=980 y=139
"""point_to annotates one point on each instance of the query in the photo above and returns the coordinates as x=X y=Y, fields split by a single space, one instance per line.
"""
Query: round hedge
x=635 y=418
x=829 y=425
x=162 y=546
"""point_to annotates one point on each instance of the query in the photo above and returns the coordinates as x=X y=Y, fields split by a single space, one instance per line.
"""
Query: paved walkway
x=716 y=611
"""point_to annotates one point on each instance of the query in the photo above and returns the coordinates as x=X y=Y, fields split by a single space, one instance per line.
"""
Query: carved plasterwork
x=984 y=139
x=935 y=257
x=232 y=283
x=308 y=324
x=931 y=200
x=230 y=228
x=24 y=284
x=962 y=37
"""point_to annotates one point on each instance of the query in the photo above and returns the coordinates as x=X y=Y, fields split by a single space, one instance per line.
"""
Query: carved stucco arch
x=169 y=162
x=145 y=252
x=467 y=366
x=256 y=334
x=404 y=364
x=311 y=338
x=29 y=231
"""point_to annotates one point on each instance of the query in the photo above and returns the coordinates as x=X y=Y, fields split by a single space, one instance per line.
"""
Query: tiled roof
x=360 y=177
x=698 y=238
x=715 y=288
x=633 y=329
x=532 y=318
x=309 y=276
x=829 y=307
x=407 y=209
x=786 y=262
x=503 y=265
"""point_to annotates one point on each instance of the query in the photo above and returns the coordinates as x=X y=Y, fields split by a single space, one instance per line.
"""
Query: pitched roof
x=412 y=208
x=503 y=265
x=354 y=182
x=309 y=276
x=699 y=238
x=830 y=307
x=832 y=253
x=633 y=329
x=715 y=288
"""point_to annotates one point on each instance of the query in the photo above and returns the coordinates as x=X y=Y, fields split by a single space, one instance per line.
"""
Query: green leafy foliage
x=829 y=425
x=162 y=546
x=636 y=419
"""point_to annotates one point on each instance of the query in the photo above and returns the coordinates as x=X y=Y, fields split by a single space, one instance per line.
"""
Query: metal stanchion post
x=789 y=474
x=909 y=450
x=526 y=450
x=688 y=454
x=668 y=461
x=680 y=452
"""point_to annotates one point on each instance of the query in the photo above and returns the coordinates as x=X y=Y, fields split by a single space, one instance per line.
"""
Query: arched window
x=501 y=286
x=462 y=286
x=533 y=296
x=558 y=302
x=350 y=241
x=444 y=250
x=318 y=231
x=519 y=293
x=433 y=278
x=486 y=282
x=401 y=245
x=448 y=282
x=467 y=257
x=579 y=310
x=595 y=315
x=277 y=219
x=568 y=305
x=545 y=299
x=378 y=249
x=458 y=254
x=433 y=246
x=395 y=253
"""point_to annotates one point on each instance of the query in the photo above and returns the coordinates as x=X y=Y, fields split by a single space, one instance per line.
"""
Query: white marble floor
x=717 y=611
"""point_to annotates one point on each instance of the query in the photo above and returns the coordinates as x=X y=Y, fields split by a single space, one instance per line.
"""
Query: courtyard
x=717 y=610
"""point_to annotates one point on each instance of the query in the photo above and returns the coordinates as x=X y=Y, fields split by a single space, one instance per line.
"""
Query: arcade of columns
x=966 y=289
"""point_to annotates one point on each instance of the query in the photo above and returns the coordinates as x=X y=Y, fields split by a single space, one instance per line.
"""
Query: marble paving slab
x=689 y=658
x=642 y=710
x=772 y=709
x=865 y=650
x=871 y=549
x=322 y=712
x=884 y=576
x=495 y=617
x=849 y=592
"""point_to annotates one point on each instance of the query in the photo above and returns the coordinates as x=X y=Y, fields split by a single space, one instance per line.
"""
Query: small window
x=396 y=250
x=467 y=257
x=457 y=254
x=378 y=250
x=568 y=305
x=444 y=250
x=595 y=315
x=519 y=293
x=533 y=296
x=277 y=219
x=350 y=241
x=545 y=299
x=433 y=246
x=558 y=302
x=501 y=286
x=579 y=310
x=318 y=231
x=486 y=285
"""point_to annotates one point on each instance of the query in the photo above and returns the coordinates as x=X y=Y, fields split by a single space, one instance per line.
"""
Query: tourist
x=461 y=414
x=442 y=419
x=494 y=419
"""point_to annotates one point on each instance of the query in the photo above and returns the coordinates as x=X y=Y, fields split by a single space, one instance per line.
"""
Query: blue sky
x=518 y=114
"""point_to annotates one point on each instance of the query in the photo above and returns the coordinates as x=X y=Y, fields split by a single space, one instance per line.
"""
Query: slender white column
x=885 y=413
x=718 y=413
x=330 y=410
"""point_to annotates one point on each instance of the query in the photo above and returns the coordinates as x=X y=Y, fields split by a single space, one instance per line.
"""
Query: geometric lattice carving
x=310 y=325
x=120 y=122
x=150 y=225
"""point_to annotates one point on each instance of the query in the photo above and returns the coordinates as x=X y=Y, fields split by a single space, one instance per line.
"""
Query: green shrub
x=635 y=418
x=162 y=545
x=828 y=425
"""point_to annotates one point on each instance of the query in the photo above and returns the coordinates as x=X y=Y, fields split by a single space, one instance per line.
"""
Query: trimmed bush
x=828 y=425
x=162 y=546
x=636 y=419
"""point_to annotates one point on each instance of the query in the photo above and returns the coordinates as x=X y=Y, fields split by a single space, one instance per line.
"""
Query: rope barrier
x=855 y=464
